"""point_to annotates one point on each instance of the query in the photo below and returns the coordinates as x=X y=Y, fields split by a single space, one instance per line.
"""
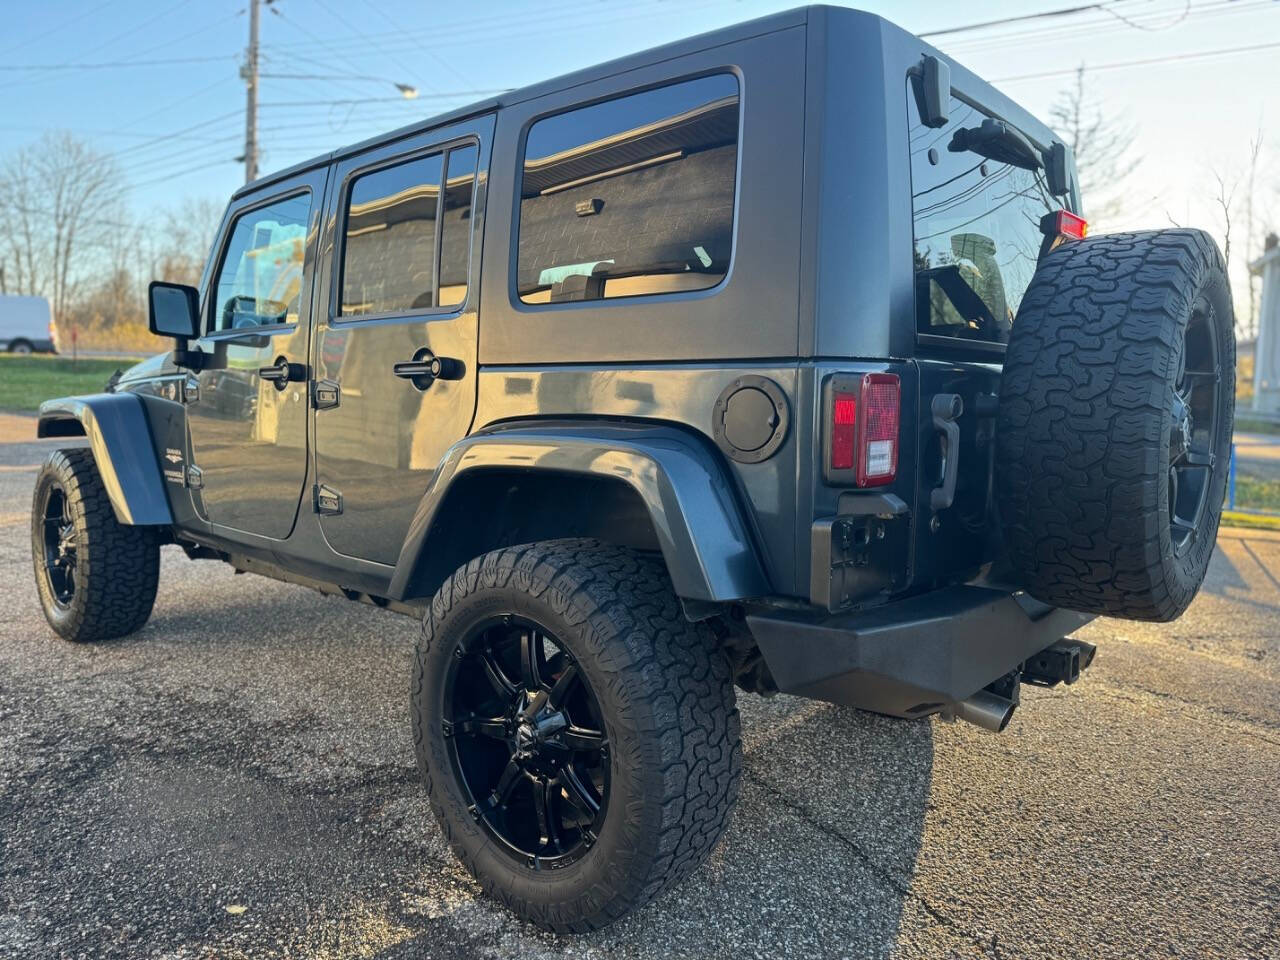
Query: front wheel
x=96 y=576
x=577 y=736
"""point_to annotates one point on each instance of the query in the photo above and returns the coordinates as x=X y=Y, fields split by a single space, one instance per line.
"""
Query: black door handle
x=425 y=368
x=282 y=372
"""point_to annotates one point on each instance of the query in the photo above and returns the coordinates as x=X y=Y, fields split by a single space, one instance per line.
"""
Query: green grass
x=1254 y=521
x=1246 y=424
x=27 y=381
x=1257 y=493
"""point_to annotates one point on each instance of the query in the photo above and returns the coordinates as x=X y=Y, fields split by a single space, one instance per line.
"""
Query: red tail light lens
x=878 y=437
x=1064 y=223
x=844 y=424
x=864 y=429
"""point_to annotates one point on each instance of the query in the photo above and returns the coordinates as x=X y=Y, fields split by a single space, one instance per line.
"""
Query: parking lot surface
x=237 y=780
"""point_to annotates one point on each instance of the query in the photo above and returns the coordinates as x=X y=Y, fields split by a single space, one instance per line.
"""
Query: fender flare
x=708 y=548
x=116 y=427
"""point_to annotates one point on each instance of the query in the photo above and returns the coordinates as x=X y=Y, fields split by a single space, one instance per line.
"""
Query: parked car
x=26 y=325
x=776 y=358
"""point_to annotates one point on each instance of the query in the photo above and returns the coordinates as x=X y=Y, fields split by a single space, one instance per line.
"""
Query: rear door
x=247 y=413
x=978 y=240
x=395 y=351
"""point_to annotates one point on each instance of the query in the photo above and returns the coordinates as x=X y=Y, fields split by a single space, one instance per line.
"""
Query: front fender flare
x=707 y=546
x=116 y=427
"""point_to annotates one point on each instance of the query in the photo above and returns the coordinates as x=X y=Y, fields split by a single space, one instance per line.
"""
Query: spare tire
x=1115 y=419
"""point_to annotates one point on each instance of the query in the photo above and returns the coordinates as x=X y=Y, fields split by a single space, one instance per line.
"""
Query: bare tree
x=186 y=233
x=59 y=202
x=1225 y=199
x=1102 y=144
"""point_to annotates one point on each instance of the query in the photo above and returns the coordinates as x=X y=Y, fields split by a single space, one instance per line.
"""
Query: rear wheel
x=96 y=577
x=577 y=736
x=21 y=348
x=1115 y=422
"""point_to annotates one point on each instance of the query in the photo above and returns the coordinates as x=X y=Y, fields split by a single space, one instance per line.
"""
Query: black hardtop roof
x=668 y=51
x=847 y=18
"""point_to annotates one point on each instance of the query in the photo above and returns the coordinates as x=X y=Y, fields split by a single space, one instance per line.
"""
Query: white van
x=26 y=325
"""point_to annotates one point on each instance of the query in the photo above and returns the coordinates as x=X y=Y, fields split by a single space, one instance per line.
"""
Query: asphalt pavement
x=236 y=780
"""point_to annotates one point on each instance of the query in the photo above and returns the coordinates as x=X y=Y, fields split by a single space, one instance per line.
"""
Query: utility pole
x=249 y=71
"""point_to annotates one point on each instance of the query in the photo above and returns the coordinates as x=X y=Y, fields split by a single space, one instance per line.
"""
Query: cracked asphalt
x=236 y=780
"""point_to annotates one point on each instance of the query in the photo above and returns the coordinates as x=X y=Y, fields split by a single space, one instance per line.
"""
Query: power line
x=1149 y=61
x=1093 y=28
x=114 y=64
x=454 y=94
x=1022 y=18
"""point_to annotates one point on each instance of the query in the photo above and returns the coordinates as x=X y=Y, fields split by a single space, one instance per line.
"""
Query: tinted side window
x=261 y=272
x=632 y=196
x=389 y=253
x=455 y=226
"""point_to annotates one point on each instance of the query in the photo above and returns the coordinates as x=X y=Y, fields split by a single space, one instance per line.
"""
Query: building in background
x=1266 y=363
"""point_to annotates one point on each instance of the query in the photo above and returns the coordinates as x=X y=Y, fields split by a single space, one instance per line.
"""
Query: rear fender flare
x=116 y=427
x=707 y=545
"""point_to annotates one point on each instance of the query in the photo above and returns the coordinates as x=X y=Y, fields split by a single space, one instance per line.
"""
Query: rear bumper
x=913 y=657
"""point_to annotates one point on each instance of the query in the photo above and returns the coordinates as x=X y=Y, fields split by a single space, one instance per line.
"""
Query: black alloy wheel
x=528 y=742
x=96 y=577
x=575 y=732
x=59 y=546
x=1193 y=437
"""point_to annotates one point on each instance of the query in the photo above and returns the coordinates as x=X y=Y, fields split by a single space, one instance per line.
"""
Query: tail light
x=1064 y=223
x=864 y=418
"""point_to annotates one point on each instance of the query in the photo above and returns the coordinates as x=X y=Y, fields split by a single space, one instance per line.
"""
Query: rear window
x=977 y=230
x=632 y=196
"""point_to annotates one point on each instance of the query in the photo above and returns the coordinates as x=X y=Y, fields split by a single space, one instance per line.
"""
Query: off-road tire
x=1085 y=421
x=118 y=566
x=665 y=693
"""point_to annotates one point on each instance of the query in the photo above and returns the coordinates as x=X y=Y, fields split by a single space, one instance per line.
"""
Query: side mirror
x=173 y=310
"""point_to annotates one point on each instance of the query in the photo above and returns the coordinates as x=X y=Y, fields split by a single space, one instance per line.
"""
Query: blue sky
x=174 y=116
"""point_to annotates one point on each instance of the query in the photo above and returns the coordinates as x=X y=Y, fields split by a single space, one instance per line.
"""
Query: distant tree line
x=67 y=233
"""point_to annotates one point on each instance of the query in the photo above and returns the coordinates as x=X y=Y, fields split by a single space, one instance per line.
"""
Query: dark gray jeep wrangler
x=777 y=357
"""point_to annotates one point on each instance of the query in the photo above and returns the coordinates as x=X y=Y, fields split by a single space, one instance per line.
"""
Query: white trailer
x=26 y=325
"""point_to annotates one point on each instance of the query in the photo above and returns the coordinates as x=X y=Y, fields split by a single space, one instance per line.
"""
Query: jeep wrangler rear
x=790 y=366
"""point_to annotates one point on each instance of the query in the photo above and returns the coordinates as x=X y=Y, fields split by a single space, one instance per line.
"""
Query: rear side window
x=406 y=243
x=977 y=230
x=261 y=272
x=631 y=197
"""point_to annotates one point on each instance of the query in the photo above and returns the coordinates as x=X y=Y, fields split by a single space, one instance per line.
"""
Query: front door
x=248 y=413
x=395 y=354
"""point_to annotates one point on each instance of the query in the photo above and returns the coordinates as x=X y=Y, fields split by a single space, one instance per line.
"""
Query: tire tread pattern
x=676 y=697
x=117 y=566
x=1084 y=419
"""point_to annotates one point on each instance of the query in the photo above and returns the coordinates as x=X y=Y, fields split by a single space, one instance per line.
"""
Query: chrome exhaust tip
x=987 y=710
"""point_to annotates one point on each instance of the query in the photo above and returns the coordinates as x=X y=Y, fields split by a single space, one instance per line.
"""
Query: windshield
x=977 y=229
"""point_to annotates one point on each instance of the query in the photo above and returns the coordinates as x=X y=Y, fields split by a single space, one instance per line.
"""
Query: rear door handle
x=283 y=372
x=425 y=368
x=946 y=409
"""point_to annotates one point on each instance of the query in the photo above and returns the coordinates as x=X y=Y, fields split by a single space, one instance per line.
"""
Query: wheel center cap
x=526 y=741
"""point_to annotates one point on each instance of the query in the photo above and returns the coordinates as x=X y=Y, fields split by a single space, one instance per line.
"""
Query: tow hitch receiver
x=1060 y=663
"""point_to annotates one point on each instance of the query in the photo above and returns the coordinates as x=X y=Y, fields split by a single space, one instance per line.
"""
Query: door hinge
x=328 y=501
x=325 y=394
